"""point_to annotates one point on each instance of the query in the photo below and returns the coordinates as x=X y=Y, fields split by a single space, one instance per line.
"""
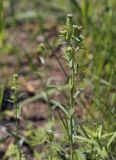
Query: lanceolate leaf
x=111 y=140
x=58 y=105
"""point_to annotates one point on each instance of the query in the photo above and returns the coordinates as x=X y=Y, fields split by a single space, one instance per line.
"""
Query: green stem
x=17 y=125
x=72 y=106
x=1 y=23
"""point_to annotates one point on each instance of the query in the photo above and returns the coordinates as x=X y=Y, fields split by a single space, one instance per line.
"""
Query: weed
x=15 y=150
x=78 y=140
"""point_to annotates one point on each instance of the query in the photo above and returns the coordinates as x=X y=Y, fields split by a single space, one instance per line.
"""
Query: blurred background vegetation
x=25 y=24
x=98 y=21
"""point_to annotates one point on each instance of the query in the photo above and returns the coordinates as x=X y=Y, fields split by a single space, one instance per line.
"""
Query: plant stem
x=17 y=126
x=1 y=23
x=72 y=106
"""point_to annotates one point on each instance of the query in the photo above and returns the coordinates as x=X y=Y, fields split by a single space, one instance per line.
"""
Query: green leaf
x=78 y=92
x=102 y=152
x=70 y=84
x=72 y=110
x=89 y=132
x=14 y=153
x=36 y=137
x=111 y=139
x=58 y=105
x=86 y=140
x=99 y=131
x=107 y=135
